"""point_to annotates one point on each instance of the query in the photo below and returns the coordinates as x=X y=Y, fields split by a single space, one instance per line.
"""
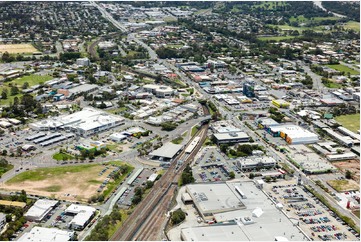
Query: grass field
x=62 y=156
x=31 y=79
x=343 y=185
x=17 y=48
x=342 y=68
x=352 y=25
x=351 y=122
x=331 y=84
x=276 y=38
x=78 y=182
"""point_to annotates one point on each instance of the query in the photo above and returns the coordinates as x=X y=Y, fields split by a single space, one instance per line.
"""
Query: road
x=317 y=82
x=319 y=4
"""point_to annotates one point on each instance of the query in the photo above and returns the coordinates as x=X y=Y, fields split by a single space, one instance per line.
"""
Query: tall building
x=248 y=88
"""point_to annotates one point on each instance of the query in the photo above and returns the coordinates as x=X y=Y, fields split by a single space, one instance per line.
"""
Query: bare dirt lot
x=351 y=165
x=344 y=185
x=66 y=183
x=17 y=48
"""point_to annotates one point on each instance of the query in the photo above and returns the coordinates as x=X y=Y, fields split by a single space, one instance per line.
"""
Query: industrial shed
x=40 y=209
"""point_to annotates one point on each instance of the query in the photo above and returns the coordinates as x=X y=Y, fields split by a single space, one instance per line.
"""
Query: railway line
x=145 y=223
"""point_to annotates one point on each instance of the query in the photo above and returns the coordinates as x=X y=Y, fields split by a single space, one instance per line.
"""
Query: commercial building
x=266 y=123
x=12 y=203
x=83 y=215
x=256 y=162
x=40 y=209
x=231 y=138
x=167 y=152
x=348 y=132
x=40 y=234
x=82 y=89
x=344 y=156
x=84 y=123
x=280 y=103
x=293 y=134
x=83 y=62
x=248 y=88
x=255 y=218
x=344 y=140
x=159 y=91
x=213 y=198
x=224 y=126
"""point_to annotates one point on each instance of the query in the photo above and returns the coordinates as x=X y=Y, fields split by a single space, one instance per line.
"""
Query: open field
x=17 y=48
x=343 y=185
x=276 y=38
x=352 y=25
x=31 y=79
x=351 y=165
x=19 y=82
x=351 y=122
x=77 y=183
x=342 y=68
x=62 y=156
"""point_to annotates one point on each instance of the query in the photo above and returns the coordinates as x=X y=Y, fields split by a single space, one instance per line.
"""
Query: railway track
x=141 y=223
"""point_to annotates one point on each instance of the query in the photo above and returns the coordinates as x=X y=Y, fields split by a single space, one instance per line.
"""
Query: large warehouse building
x=40 y=209
x=293 y=134
x=84 y=123
x=254 y=218
x=40 y=234
x=210 y=199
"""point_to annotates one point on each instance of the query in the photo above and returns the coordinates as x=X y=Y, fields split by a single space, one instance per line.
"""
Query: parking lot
x=211 y=165
x=314 y=218
x=126 y=199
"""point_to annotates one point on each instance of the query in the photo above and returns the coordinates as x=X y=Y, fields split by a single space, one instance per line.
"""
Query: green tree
x=14 y=90
x=25 y=85
x=348 y=174
x=232 y=175
x=4 y=94
x=177 y=216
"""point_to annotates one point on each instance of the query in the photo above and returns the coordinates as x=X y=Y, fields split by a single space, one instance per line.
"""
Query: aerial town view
x=180 y=121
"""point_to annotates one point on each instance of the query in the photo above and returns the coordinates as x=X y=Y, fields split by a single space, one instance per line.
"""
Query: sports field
x=17 y=48
x=351 y=122
x=342 y=68
x=276 y=38
x=74 y=183
x=19 y=82
x=352 y=25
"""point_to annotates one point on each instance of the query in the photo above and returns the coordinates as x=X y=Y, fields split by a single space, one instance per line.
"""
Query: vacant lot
x=351 y=165
x=343 y=185
x=67 y=182
x=342 y=68
x=351 y=122
x=17 y=48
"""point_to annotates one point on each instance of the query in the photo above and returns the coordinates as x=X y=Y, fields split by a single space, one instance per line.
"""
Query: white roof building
x=82 y=217
x=86 y=122
x=40 y=209
x=40 y=234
